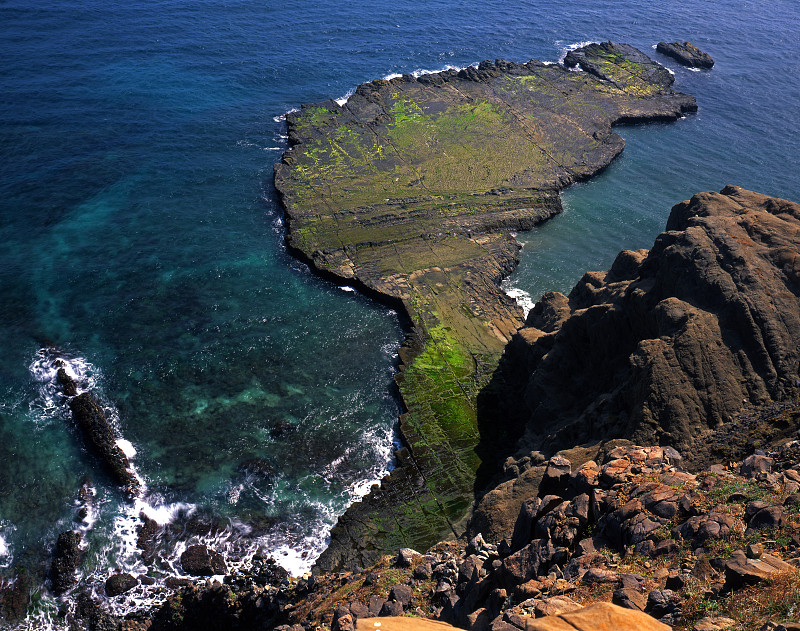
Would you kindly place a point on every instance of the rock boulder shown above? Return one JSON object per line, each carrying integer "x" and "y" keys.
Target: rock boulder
{"x": 686, "y": 53}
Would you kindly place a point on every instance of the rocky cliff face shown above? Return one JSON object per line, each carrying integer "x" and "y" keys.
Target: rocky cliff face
{"x": 669, "y": 344}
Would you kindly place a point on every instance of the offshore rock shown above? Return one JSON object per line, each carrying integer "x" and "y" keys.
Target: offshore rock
{"x": 411, "y": 191}
{"x": 686, "y": 53}
{"x": 669, "y": 345}
{"x": 118, "y": 584}
{"x": 200, "y": 560}
{"x": 66, "y": 561}
{"x": 89, "y": 416}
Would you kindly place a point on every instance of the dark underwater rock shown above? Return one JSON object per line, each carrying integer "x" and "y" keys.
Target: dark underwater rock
{"x": 15, "y": 595}
{"x": 686, "y": 53}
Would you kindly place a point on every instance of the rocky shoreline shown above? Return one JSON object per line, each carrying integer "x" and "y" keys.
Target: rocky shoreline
{"x": 703, "y": 540}
{"x": 640, "y": 536}
{"x": 627, "y": 456}
{"x": 411, "y": 191}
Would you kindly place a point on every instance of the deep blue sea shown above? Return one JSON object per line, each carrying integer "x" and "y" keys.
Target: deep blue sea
{"x": 141, "y": 237}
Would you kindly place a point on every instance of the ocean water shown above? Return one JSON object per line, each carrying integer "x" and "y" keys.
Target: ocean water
{"x": 141, "y": 237}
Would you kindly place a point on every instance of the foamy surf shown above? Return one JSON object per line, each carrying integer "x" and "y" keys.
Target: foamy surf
{"x": 6, "y": 557}
{"x": 566, "y": 49}
{"x": 44, "y": 369}
{"x": 522, "y": 297}
{"x": 419, "y": 72}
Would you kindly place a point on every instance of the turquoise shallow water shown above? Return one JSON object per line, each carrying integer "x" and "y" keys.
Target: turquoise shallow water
{"x": 140, "y": 234}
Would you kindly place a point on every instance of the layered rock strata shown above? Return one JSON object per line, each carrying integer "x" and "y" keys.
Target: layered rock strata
{"x": 671, "y": 344}
{"x": 411, "y": 191}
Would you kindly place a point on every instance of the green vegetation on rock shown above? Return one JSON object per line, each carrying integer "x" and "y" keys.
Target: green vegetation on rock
{"x": 413, "y": 189}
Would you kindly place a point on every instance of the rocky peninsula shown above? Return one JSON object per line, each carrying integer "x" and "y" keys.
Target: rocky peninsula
{"x": 411, "y": 191}
{"x": 608, "y": 533}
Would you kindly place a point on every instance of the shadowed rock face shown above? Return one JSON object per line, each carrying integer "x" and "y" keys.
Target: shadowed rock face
{"x": 411, "y": 191}
{"x": 668, "y": 345}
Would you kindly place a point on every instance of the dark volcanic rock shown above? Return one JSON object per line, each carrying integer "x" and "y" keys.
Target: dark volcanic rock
{"x": 66, "y": 382}
{"x": 686, "y": 53}
{"x": 706, "y": 326}
{"x": 90, "y": 418}
{"x": 66, "y": 561}
{"x": 200, "y": 560}
{"x": 117, "y": 584}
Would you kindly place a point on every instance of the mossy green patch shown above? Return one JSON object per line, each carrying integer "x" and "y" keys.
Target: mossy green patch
{"x": 413, "y": 189}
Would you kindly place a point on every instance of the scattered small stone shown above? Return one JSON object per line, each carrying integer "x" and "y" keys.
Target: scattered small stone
{"x": 713, "y": 623}
{"x": 629, "y": 598}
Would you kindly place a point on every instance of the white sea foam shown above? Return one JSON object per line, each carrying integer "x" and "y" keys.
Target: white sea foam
{"x": 44, "y": 369}
{"x": 522, "y": 297}
{"x": 423, "y": 71}
{"x": 343, "y": 99}
{"x": 565, "y": 49}
{"x": 6, "y": 556}
{"x": 127, "y": 448}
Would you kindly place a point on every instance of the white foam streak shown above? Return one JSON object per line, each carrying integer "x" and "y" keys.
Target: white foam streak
{"x": 6, "y": 557}
{"x": 342, "y": 100}
{"x": 44, "y": 370}
{"x": 522, "y": 297}
{"x": 127, "y": 448}
{"x": 422, "y": 71}
{"x": 565, "y": 49}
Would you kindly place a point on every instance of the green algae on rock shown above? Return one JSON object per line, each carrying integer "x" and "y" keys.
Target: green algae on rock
{"x": 411, "y": 191}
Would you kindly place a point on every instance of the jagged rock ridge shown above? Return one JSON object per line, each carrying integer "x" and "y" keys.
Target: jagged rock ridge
{"x": 670, "y": 344}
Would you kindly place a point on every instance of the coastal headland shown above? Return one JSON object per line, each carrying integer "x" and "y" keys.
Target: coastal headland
{"x": 411, "y": 191}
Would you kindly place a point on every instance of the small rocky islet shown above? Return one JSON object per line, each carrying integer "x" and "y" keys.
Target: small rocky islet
{"x": 557, "y": 517}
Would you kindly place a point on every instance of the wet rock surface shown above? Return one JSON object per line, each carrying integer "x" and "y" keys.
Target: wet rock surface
{"x": 200, "y": 560}
{"x": 118, "y": 584}
{"x": 89, "y": 416}
{"x": 67, "y": 559}
{"x": 686, "y": 53}
{"x": 410, "y": 191}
